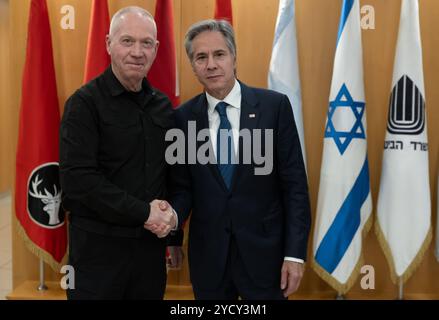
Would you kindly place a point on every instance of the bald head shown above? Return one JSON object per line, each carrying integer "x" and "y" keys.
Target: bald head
{"x": 124, "y": 14}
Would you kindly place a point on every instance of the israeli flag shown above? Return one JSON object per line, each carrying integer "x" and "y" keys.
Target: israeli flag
{"x": 283, "y": 74}
{"x": 344, "y": 202}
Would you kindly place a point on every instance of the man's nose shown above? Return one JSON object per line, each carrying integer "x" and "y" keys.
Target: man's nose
{"x": 211, "y": 63}
{"x": 136, "y": 50}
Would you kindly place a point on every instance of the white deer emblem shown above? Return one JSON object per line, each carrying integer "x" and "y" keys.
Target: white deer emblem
{"x": 52, "y": 202}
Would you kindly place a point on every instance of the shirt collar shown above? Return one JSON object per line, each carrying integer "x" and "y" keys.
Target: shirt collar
{"x": 116, "y": 88}
{"x": 233, "y": 99}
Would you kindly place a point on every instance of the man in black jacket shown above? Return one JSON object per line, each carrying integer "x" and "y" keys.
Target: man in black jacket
{"x": 112, "y": 167}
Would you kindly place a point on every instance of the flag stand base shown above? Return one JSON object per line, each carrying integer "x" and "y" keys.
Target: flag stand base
{"x": 42, "y": 287}
{"x": 27, "y": 291}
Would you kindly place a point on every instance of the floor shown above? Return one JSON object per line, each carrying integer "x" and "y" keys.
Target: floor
{"x": 5, "y": 245}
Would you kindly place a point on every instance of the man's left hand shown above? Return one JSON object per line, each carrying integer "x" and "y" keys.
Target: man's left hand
{"x": 291, "y": 274}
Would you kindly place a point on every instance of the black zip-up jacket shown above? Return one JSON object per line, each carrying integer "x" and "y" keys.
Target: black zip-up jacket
{"x": 112, "y": 155}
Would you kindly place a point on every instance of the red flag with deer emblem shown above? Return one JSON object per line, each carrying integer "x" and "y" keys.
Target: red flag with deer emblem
{"x": 37, "y": 189}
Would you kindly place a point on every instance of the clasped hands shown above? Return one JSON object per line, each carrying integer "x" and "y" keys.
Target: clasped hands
{"x": 161, "y": 218}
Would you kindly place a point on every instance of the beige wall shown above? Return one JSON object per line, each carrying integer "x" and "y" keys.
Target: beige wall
{"x": 317, "y": 23}
{"x": 5, "y": 112}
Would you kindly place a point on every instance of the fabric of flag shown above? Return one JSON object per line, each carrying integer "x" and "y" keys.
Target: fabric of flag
{"x": 97, "y": 58}
{"x": 37, "y": 191}
{"x": 344, "y": 201}
{"x": 223, "y": 10}
{"x": 404, "y": 205}
{"x": 404, "y": 208}
{"x": 163, "y": 73}
{"x": 283, "y": 74}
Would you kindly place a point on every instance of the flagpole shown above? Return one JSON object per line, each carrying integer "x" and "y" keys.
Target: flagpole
{"x": 401, "y": 290}
{"x": 42, "y": 286}
{"x": 339, "y": 296}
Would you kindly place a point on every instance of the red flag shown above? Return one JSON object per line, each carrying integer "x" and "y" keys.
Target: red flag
{"x": 37, "y": 189}
{"x": 163, "y": 73}
{"x": 97, "y": 58}
{"x": 223, "y": 10}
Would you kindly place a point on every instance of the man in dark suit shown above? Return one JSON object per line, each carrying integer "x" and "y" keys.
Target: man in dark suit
{"x": 250, "y": 223}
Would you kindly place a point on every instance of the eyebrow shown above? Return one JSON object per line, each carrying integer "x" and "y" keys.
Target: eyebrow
{"x": 205, "y": 53}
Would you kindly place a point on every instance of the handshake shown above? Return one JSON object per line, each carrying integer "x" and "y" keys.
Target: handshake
{"x": 162, "y": 218}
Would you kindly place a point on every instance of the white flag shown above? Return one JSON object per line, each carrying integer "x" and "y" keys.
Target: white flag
{"x": 283, "y": 75}
{"x": 404, "y": 208}
{"x": 344, "y": 203}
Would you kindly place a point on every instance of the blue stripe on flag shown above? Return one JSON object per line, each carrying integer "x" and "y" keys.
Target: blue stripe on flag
{"x": 286, "y": 16}
{"x": 347, "y": 6}
{"x": 342, "y": 230}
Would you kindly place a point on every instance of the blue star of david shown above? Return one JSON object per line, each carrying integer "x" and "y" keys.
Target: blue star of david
{"x": 342, "y": 138}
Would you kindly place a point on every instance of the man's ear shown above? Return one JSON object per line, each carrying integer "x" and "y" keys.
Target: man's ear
{"x": 157, "y": 44}
{"x": 154, "y": 54}
{"x": 107, "y": 43}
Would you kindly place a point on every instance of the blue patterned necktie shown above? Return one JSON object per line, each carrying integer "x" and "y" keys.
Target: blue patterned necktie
{"x": 224, "y": 145}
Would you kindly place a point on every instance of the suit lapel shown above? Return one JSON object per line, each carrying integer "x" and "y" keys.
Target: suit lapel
{"x": 249, "y": 109}
{"x": 249, "y": 120}
{"x": 200, "y": 111}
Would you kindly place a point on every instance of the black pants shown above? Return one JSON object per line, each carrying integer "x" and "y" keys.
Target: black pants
{"x": 116, "y": 268}
{"x": 237, "y": 283}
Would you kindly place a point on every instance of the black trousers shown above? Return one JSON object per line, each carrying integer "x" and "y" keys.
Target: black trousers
{"x": 108, "y": 267}
{"x": 237, "y": 283}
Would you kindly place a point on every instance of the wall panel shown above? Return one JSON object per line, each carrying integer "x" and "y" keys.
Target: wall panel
{"x": 5, "y": 128}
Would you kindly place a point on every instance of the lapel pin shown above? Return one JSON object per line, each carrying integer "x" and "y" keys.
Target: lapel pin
{"x": 252, "y": 115}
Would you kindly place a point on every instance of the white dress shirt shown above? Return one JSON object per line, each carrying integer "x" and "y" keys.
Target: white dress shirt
{"x": 233, "y": 99}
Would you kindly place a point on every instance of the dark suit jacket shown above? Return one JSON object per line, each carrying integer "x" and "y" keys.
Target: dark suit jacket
{"x": 269, "y": 215}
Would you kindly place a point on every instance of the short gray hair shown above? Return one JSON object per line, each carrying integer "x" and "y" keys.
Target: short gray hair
{"x": 222, "y": 26}
{"x": 115, "y": 20}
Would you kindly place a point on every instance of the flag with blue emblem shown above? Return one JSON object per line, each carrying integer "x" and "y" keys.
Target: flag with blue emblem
{"x": 344, "y": 202}
{"x": 404, "y": 207}
{"x": 283, "y": 74}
